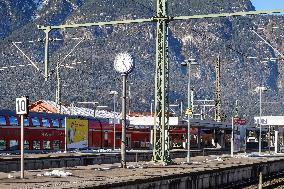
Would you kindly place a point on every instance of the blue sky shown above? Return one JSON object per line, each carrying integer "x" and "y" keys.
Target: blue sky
{"x": 268, "y": 4}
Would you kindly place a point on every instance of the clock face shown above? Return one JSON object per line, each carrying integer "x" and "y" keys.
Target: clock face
{"x": 123, "y": 63}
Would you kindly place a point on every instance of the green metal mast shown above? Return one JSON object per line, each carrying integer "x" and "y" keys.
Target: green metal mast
{"x": 161, "y": 124}
{"x": 218, "y": 90}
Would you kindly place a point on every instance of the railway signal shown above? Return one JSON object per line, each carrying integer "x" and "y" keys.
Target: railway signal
{"x": 22, "y": 108}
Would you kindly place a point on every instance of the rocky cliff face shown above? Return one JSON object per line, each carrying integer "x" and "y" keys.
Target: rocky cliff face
{"x": 93, "y": 75}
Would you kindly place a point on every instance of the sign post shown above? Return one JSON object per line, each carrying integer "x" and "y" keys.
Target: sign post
{"x": 232, "y": 138}
{"x": 22, "y": 108}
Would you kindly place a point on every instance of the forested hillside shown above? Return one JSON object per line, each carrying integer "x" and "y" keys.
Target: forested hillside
{"x": 93, "y": 75}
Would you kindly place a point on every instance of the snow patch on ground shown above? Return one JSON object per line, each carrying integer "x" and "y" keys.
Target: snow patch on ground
{"x": 56, "y": 173}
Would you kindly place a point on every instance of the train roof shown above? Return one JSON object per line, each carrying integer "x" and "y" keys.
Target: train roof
{"x": 51, "y": 106}
{"x": 57, "y": 115}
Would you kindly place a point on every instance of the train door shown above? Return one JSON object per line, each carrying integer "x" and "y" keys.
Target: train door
{"x": 128, "y": 140}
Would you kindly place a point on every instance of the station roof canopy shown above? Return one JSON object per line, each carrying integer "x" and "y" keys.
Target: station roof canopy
{"x": 176, "y": 121}
{"x": 51, "y": 107}
{"x": 270, "y": 120}
{"x": 207, "y": 124}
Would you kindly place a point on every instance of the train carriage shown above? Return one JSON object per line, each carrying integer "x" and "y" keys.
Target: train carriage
{"x": 42, "y": 131}
{"x": 46, "y": 132}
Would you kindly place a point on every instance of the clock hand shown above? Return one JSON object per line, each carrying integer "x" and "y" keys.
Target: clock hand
{"x": 123, "y": 62}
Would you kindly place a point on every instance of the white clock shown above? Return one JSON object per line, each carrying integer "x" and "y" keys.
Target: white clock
{"x": 123, "y": 63}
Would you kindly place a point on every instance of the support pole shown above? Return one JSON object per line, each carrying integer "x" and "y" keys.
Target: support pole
{"x": 199, "y": 138}
{"x": 188, "y": 115}
{"x": 260, "y": 111}
{"x": 218, "y": 90}
{"x": 123, "y": 137}
{"x": 22, "y": 147}
{"x": 65, "y": 138}
{"x": 114, "y": 117}
{"x": 276, "y": 140}
{"x": 46, "y": 48}
{"x": 232, "y": 138}
{"x": 58, "y": 91}
{"x": 269, "y": 138}
{"x": 260, "y": 180}
{"x": 161, "y": 151}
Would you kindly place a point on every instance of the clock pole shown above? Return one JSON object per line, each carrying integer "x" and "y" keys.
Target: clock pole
{"x": 123, "y": 134}
{"x": 123, "y": 64}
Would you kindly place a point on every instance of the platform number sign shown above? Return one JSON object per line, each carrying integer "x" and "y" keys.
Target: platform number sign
{"x": 22, "y": 105}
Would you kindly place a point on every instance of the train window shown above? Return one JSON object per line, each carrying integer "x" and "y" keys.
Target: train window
{"x": 62, "y": 123}
{"x": 14, "y": 145}
{"x": 45, "y": 122}
{"x": 2, "y": 144}
{"x": 35, "y": 121}
{"x": 46, "y": 145}
{"x": 3, "y": 120}
{"x": 117, "y": 135}
{"x": 183, "y": 136}
{"x": 26, "y": 122}
{"x": 13, "y": 120}
{"x": 56, "y": 144}
{"x": 26, "y": 145}
{"x": 36, "y": 145}
{"x": 55, "y": 123}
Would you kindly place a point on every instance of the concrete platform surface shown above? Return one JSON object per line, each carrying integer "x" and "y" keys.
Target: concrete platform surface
{"x": 105, "y": 174}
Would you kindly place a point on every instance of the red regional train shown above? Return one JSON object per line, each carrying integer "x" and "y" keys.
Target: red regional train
{"x": 42, "y": 131}
{"x": 46, "y": 132}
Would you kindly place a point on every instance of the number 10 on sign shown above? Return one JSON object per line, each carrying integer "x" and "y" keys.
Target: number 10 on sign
{"x": 22, "y": 105}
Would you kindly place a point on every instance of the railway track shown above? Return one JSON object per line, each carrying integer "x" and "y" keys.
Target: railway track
{"x": 269, "y": 182}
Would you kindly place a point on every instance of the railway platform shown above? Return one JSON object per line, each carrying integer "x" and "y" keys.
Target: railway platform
{"x": 203, "y": 172}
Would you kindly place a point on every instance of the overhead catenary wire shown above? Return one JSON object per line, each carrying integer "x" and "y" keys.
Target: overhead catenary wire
{"x": 22, "y": 65}
{"x": 34, "y": 64}
{"x": 39, "y": 40}
{"x": 276, "y": 50}
{"x": 52, "y": 71}
{"x": 229, "y": 46}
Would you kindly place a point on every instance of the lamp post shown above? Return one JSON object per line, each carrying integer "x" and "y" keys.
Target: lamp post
{"x": 189, "y": 106}
{"x": 260, "y": 90}
{"x": 114, "y": 93}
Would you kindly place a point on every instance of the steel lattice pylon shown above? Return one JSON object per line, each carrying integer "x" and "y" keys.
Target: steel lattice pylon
{"x": 218, "y": 90}
{"x": 161, "y": 138}
{"x": 161, "y": 124}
